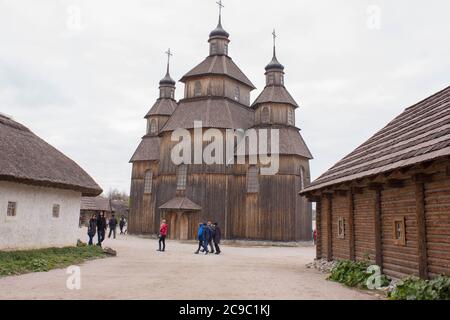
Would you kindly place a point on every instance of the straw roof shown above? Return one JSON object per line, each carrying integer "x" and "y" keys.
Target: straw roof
{"x": 26, "y": 158}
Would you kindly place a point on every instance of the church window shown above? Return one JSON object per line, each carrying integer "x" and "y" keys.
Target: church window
{"x": 198, "y": 89}
{"x": 153, "y": 126}
{"x": 252, "y": 179}
{"x": 181, "y": 177}
{"x": 55, "y": 210}
{"x": 237, "y": 94}
{"x": 282, "y": 80}
{"x": 148, "y": 182}
{"x": 302, "y": 178}
{"x": 290, "y": 117}
{"x": 226, "y": 48}
{"x": 271, "y": 78}
{"x": 12, "y": 209}
{"x": 265, "y": 115}
{"x": 172, "y": 94}
{"x": 213, "y": 48}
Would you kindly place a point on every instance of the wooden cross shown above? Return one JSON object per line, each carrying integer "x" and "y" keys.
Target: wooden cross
{"x": 220, "y": 7}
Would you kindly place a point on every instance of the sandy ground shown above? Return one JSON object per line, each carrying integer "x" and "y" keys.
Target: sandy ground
{"x": 139, "y": 272}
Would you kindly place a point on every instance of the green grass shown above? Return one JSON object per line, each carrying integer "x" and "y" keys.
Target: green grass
{"x": 42, "y": 260}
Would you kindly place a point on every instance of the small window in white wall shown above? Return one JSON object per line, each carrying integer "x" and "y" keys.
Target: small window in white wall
{"x": 290, "y": 116}
{"x": 55, "y": 211}
{"x": 12, "y": 209}
{"x": 148, "y": 182}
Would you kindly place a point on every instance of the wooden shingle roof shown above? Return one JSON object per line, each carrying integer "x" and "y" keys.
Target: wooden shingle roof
{"x": 96, "y": 204}
{"x": 182, "y": 204}
{"x": 162, "y": 107}
{"x": 421, "y": 133}
{"x": 148, "y": 149}
{"x": 213, "y": 112}
{"x": 26, "y": 158}
{"x": 275, "y": 94}
{"x": 219, "y": 65}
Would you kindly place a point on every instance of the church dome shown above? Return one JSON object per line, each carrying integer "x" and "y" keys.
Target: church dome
{"x": 219, "y": 31}
{"x": 167, "y": 80}
{"x": 274, "y": 64}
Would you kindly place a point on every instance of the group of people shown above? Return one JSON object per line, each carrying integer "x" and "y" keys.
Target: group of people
{"x": 98, "y": 225}
{"x": 209, "y": 236}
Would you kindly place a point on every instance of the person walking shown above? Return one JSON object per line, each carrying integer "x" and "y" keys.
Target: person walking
{"x": 122, "y": 224}
{"x": 101, "y": 228}
{"x": 200, "y": 238}
{"x": 92, "y": 228}
{"x": 206, "y": 237}
{"x": 112, "y": 226}
{"x": 211, "y": 236}
{"x": 217, "y": 237}
{"x": 162, "y": 236}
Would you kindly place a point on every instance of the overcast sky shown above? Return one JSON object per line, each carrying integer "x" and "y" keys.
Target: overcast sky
{"x": 82, "y": 74}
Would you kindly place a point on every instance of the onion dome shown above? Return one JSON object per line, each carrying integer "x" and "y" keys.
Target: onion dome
{"x": 219, "y": 31}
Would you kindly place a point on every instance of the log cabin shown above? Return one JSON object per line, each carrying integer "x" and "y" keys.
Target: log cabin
{"x": 246, "y": 204}
{"x": 389, "y": 200}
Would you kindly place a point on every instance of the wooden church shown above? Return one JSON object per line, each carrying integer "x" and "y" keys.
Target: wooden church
{"x": 245, "y": 203}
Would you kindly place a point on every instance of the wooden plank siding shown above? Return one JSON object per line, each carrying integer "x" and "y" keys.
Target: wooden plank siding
{"x": 340, "y": 209}
{"x": 364, "y": 206}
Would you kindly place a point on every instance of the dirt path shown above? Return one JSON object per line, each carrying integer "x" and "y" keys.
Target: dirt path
{"x": 139, "y": 272}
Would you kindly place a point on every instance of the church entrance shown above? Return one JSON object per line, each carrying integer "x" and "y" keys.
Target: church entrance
{"x": 179, "y": 225}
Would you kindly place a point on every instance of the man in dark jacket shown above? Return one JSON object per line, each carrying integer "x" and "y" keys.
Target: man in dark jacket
{"x": 211, "y": 236}
{"x": 101, "y": 227}
{"x": 112, "y": 226}
{"x": 92, "y": 228}
{"x": 217, "y": 237}
{"x": 200, "y": 238}
{"x": 122, "y": 224}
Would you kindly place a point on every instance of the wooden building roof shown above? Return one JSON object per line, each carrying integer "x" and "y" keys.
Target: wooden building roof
{"x": 181, "y": 204}
{"x": 421, "y": 133}
{"x": 274, "y": 94}
{"x": 221, "y": 113}
{"x": 26, "y": 158}
{"x": 162, "y": 107}
{"x": 219, "y": 65}
{"x": 95, "y": 204}
{"x": 148, "y": 149}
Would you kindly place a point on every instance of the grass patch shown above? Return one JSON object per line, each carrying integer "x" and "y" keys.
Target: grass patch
{"x": 43, "y": 260}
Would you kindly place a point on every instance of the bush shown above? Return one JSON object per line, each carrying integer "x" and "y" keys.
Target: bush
{"x": 354, "y": 274}
{"x": 413, "y": 288}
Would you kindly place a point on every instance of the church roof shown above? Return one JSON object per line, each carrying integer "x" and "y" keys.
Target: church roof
{"x": 291, "y": 142}
{"x": 219, "y": 65}
{"x": 421, "y": 133}
{"x": 148, "y": 149}
{"x": 219, "y": 31}
{"x": 162, "y": 107}
{"x": 167, "y": 80}
{"x": 275, "y": 94}
{"x": 26, "y": 158}
{"x": 181, "y": 203}
{"x": 219, "y": 113}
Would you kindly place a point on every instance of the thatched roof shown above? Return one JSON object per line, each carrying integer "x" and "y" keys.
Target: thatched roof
{"x": 213, "y": 112}
{"x": 181, "y": 204}
{"x": 275, "y": 94}
{"x": 219, "y": 65}
{"x": 421, "y": 133}
{"x": 25, "y": 158}
{"x": 148, "y": 149}
{"x": 96, "y": 204}
{"x": 291, "y": 142}
{"x": 162, "y": 107}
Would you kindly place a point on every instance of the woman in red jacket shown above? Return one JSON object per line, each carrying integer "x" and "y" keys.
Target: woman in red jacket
{"x": 162, "y": 235}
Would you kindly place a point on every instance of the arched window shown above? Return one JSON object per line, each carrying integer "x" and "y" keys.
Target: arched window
{"x": 290, "y": 117}
{"x": 181, "y": 177}
{"x": 148, "y": 182}
{"x": 265, "y": 115}
{"x": 252, "y": 179}
{"x": 237, "y": 94}
{"x": 198, "y": 89}
{"x": 153, "y": 126}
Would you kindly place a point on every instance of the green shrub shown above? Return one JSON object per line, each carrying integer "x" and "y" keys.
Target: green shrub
{"x": 354, "y": 274}
{"x": 413, "y": 288}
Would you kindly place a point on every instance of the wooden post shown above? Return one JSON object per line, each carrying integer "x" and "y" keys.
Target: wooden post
{"x": 330, "y": 228}
{"x": 319, "y": 229}
{"x": 351, "y": 224}
{"x": 378, "y": 230}
{"x": 421, "y": 230}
